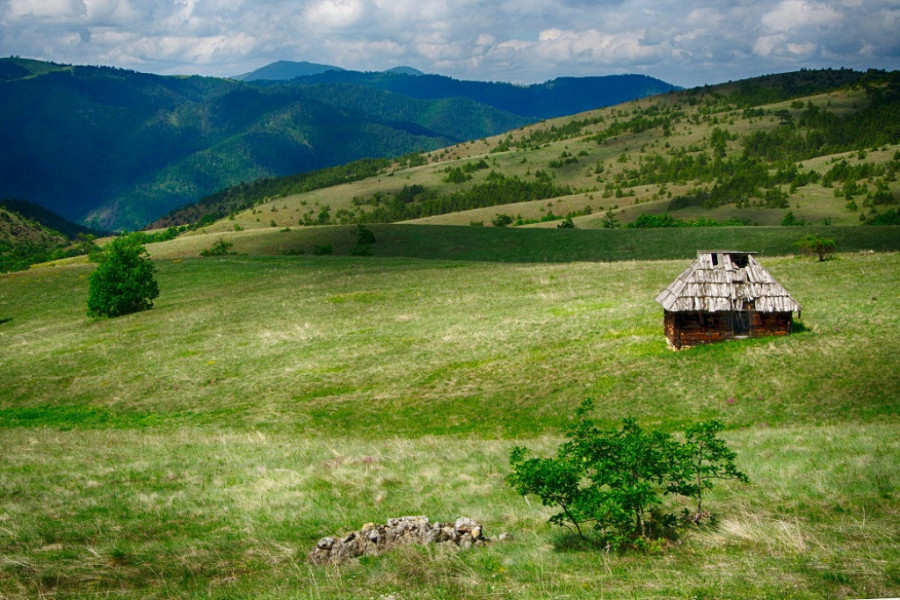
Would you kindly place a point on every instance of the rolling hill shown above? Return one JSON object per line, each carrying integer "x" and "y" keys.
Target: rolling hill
{"x": 280, "y": 394}
{"x": 117, "y": 149}
{"x": 555, "y": 98}
{"x": 31, "y": 234}
{"x": 814, "y": 147}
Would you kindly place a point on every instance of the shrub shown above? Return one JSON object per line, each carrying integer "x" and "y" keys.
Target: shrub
{"x": 364, "y": 236}
{"x": 501, "y": 220}
{"x": 790, "y": 220}
{"x": 609, "y": 220}
{"x": 823, "y": 248}
{"x": 615, "y": 479}
{"x": 323, "y": 250}
{"x": 566, "y": 223}
{"x": 123, "y": 282}
{"x": 220, "y": 248}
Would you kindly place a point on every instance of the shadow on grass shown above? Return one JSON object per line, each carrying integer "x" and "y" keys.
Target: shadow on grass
{"x": 799, "y": 327}
{"x": 5, "y": 320}
{"x": 569, "y": 541}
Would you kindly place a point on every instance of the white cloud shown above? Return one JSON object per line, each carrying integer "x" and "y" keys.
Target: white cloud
{"x": 520, "y": 40}
{"x": 45, "y": 9}
{"x": 334, "y": 13}
{"x": 797, "y": 14}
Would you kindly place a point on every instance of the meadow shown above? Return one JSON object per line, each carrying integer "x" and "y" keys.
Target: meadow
{"x": 201, "y": 448}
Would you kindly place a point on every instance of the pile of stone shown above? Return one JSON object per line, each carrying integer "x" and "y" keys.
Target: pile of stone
{"x": 375, "y": 539}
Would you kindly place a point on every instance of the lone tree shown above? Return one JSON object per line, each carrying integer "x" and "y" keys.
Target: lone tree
{"x": 123, "y": 282}
{"x": 616, "y": 479}
{"x": 823, "y": 248}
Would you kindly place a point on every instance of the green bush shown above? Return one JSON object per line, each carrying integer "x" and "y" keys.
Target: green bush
{"x": 364, "y": 236}
{"x": 616, "y": 479}
{"x": 220, "y": 248}
{"x": 123, "y": 282}
{"x": 790, "y": 220}
{"x": 823, "y": 248}
{"x": 501, "y": 220}
{"x": 566, "y": 224}
{"x": 323, "y": 250}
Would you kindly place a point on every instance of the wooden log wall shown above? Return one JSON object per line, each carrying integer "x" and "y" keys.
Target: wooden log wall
{"x": 692, "y": 328}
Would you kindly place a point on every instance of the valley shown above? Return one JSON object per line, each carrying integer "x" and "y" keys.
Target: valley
{"x": 292, "y": 382}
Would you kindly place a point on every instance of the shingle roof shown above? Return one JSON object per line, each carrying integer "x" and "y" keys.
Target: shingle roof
{"x": 721, "y": 281}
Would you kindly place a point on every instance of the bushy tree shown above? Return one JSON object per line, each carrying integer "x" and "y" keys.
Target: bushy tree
{"x": 123, "y": 282}
{"x": 364, "y": 236}
{"x": 615, "y": 480}
{"x": 501, "y": 220}
{"x": 702, "y": 458}
{"x": 823, "y": 248}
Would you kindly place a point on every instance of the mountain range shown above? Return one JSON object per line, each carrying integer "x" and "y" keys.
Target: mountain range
{"x": 116, "y": 149}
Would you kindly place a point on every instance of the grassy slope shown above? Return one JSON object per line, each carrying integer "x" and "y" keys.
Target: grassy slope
{"x": 701, "y": 113}
{"x": 529, "y": 244}
{"x": 200, "y": 448}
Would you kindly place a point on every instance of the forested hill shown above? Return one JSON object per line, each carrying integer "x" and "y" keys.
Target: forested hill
{"x": 116, "y": 149}
{"x": 555, "y": 98}
{"x": 805, "y": 147}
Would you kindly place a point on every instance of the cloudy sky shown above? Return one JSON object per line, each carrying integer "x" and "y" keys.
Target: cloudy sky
{"x": 687, "y": 43}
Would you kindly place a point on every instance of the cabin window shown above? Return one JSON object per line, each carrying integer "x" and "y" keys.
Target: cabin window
{"x": 715, "y": 259}
{"x": 739, "y": 260}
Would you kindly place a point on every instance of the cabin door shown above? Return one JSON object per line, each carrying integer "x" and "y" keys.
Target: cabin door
{"x": 741, "y": 323}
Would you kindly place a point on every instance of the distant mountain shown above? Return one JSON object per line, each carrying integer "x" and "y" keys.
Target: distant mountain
{"x": 405, "y": 71}
{"x": 116, "y": 149}
{"x": 112, "y": 148}
{"x": 284, "y": 70}
{"x": 46, "y": 218}
{"x": 26, "y": 240}
{"x": 554, "y": 98}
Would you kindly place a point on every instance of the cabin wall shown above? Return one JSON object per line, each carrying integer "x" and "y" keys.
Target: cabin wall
{"x": 691, "y": 328}
{"x": 763, "y": 324}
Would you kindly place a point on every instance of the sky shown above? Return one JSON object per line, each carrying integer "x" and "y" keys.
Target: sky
{"x": 687, "y": 43}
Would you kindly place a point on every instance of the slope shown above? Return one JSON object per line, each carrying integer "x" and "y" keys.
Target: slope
{"x": 200, "y": 449}
{"x": 29, "y": 234}
{"x": 116, "y": 148}
{"x": 809, "y": 147}
{"x": 554, "y": 98}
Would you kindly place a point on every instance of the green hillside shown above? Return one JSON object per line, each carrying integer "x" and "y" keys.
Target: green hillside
{"x": 117, "y": 149}
{"x": 815, "y": 148}
{"x": 201, "y": 448}
{"x": 30, "y": 234}
{"x": 300, "y": 384}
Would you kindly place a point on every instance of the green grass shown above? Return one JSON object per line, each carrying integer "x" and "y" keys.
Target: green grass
{"x": 531, "y": 244}
{"x": 200, "y": 449}
{"x": 698, "y": 114}
{"x": 197, "y": 513}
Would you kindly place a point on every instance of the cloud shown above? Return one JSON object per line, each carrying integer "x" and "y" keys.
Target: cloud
{"x": 704, "y": 41}
{"x": 800, "y": 14}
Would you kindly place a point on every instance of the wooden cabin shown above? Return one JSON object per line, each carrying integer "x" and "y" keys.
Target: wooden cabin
{"x": 724, "y": 295}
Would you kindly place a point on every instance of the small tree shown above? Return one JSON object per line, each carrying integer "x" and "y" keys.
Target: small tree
{"x": 823, "y": 248}
{"x": 364, "y": 236}
{"x": 609, "y": 220}
{"x": 616, "y": 479}
{"x": 704, "y": 457}
{"x": 501, "y": 220}
{"x": 123, "y": 282}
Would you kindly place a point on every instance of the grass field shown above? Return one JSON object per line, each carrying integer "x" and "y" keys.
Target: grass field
{"x": 529, "y": 244}
{"x": 597, "y": 171}
{"x": 201, "y": 448}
